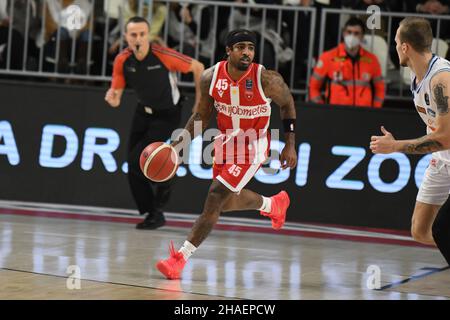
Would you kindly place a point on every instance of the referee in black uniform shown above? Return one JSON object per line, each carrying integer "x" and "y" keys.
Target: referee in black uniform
{"x": 150, "y": 69}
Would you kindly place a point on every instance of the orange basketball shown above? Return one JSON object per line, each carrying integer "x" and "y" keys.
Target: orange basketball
{"x": 159, "y": 161}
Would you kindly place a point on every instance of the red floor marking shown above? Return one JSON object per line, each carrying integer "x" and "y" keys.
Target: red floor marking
{"x": 227, "y": 227}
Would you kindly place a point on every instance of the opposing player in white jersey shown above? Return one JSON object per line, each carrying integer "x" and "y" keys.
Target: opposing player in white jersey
{"x": 430, "y": 85}
{"x": 241, "y": 92}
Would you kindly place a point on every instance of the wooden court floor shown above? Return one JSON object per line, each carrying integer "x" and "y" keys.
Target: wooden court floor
{"x": 115, "y": 261}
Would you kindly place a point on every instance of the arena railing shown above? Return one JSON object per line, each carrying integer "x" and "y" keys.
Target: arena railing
{"x": 267, "y": 20}
{"x": 282, "y": 28}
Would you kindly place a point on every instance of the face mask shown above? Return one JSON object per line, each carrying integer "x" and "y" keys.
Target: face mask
{"x": 352, "y": 41}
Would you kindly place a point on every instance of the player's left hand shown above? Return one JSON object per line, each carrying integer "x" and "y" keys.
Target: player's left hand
{"x": 383, "y": 144}
{"x": 288, "y": 157}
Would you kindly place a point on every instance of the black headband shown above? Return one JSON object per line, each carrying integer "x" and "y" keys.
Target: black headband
{"x": 240, "y": 37}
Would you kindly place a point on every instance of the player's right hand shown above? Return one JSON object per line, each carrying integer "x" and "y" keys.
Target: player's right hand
{"x": 112, "y": 97}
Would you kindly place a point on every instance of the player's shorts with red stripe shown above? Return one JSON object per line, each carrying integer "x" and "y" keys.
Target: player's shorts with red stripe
{"x": 236, "y": 170}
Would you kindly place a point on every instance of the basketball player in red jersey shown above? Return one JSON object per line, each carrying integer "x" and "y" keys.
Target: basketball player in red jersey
{"x": 241, "y": 92}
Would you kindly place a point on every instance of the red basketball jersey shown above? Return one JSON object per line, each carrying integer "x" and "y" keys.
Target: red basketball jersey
{"x": 242, "y": 111}
{"x": 240, "y": 104}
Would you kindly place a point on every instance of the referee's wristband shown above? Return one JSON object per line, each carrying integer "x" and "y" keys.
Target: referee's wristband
{"x": 289, "y": 125}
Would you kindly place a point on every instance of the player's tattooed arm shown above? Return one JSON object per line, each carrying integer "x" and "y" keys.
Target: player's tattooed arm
{"x": 422, "y": 145}
{"x": 276, "y": 89}
{"x": 439, "y": 139}
{"x": 440, "y": 96}
{"x": 202, "y": 113}
{"x": 388, "y": 144}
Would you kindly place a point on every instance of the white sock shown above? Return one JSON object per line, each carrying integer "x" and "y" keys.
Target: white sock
{"x": 266, "y": 205}
{"x": 187, "y": 249}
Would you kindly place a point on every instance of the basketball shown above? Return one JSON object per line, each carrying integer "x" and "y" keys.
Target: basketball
{"x": 159, "y": 161}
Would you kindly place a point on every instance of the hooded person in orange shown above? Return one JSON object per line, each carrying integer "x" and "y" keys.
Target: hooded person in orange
{"x": 353, "y": 74}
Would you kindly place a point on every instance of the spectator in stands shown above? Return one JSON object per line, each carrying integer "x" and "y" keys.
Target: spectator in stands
{"x": 431, "y": 6}
{"x": 182, "y": 27}
{"x": 57, "y": 18}
{"x": 332, "y": 22}
{"x": 128, "y": 9}
{"x": 434, "y": 7}
{"x": 353, "y": 74}
{"x": 274, "y": 46}
{"x": 190, "y": 23}
{"x": 303, "y": 34}
{"x": 18, "y": 33}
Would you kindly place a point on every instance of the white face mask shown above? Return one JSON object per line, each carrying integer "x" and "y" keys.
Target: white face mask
{"x": 351, "y": 41}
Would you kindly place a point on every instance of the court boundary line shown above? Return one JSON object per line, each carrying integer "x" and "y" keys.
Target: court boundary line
{"x": 182, "y": 216}
{"x": 121, "y": 284}
{"x": 204, "y": 294}
{"x": 413, "y": 278}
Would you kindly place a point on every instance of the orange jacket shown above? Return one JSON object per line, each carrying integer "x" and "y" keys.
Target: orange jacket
{"x": 349, "y": 83}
